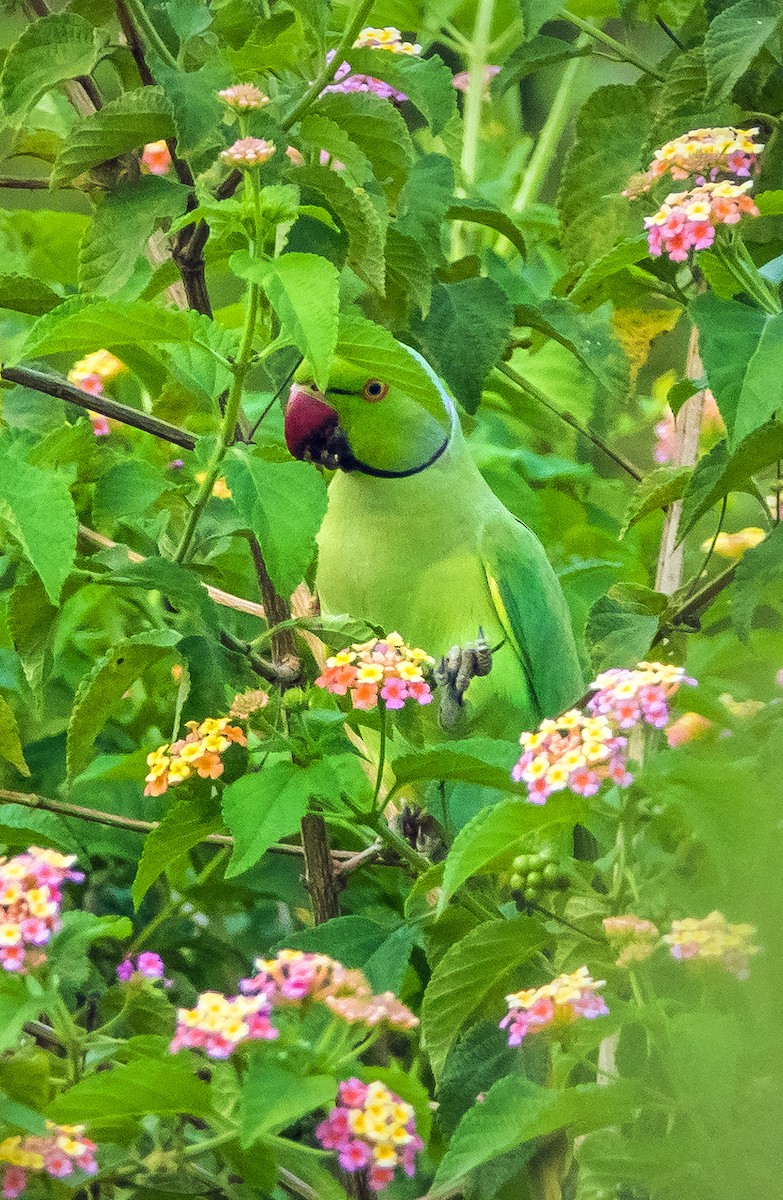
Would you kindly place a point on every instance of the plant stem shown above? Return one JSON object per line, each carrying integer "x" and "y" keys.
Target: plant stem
{"x": 208, "y": 1144}
{"x": 540, "y": 159}
{"x": 477, "y": 56}
{"x": 330, "y": 69}
{"x": 228, "y": 425}
{"x": 381, "y": 759}
{"x": 705, "y": 564}
{"x": 171, "y": 906}
{"x": 584, "y": 430}
{"x": 154, "y": 41}
{"x": 625, "y": 52}
{"x": 69, "y": 1034}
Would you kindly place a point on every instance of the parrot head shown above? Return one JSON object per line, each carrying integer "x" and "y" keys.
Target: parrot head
{"x": 388, "y": 416}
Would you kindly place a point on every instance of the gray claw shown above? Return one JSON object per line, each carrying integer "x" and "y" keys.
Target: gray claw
{"x": 454, "y": 673}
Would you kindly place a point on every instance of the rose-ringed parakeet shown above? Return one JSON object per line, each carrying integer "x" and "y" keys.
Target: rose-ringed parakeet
{"x": 414, "y": 539}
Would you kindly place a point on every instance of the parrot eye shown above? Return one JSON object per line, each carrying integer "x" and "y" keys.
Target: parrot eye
{"x": 374, "y": 390}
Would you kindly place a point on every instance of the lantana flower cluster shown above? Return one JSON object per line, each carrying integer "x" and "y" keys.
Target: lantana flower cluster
{"x": 634, "y": 938}
{"x": 686, "y": 220}
{"x": 248, "y": 152}
{"x": 57, "y": 1153}
{"x": 30, "y": 899}
{"x": 708, "y": 152}
{"x": 243, "y": 96}
{"x": 372, "y": 1130}
{"x": 388, "y": 38}
{"x": 199, "y": 753}
{"x": 91, "y": 374}
{"x": 638, "y": 696}
{"x": 383, "y": 667}
{"x": 713, "y": 939}
{"x": 572, "y": 751}
{"x": 553, "y": 1004}
{"x": 296, "y": 977}
{"x": 218, "y": 1024}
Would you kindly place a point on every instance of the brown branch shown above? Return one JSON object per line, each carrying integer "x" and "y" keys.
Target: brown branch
{"x": 226, "y": 599}
{"x": 51, "y": 385}
{"x": 28, "y": 185}
{"x": 135, "y": 824}
{"x": 134, "y": 44}
{"x": 285, "y": 674}
{"x": 319, "y": 868}
{"x": 693, "y": 607}
{"x": 278, "y": 610}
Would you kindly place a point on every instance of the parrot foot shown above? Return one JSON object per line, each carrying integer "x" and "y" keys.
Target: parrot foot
{"x": 454, "y": 673}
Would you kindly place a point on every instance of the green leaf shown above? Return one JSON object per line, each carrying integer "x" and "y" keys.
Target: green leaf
{"x": 423, "y": 202}
{"x": 22, "y": 826}
{"x": 301, "y": 1162}
{"x": 536, "y": 13}
{"x": 325, "y": 134}
{"x": 427, "y": 82}
{"x": 734, "y": 39}
{"x": 185, "y": 826}
{"x": 475, "y": 316}
{"x": 52, "y": 49}
{"x": 273, "y": 1098}
{"x": 408, "y": 273}
{"x": 468, "y": 973}
{"x": 37, "y": 508}
{"x": 77, "y": 327}
{"x": 10, "y": 742}
{"x": 481, "y": 212}
{"x": 378, "y": 130}
{"x": 194, "y": 103}
{"x": 657, "y": 490}
{"x": 757, "y": 581}
{"x": 540, "y": 51}
{"x": 605, "y": 153}
{"x": 19, "y": 1116}
{"x": 120, "y": 228}
{"x": 268, "y": 805}
{"x": 20, "y": 1001}
{"x": 515, "y": 1111}
{"x": 625, "y": 254}
{"x": 67, "y": 952}
{"x": 476, "y": 760}
{"x": 364, "y": 226}
{"x": 718, "y": 473}
{"x": 182, "y": 588}
{"x": 129, "y": 489}
{"x": 122, "y": 125}
{"x": 620, "y": 630}
{"x": 499, "y": 830}
{"x": 102, "y": 689}
{"x": 742, "y": 352}
{"x": 26, "y": 294}
{"x": 352, "y": 940}
{"x": 165, "y": 1087}
{"x": 304, "y": 291}
{"x": 770, "y": 203}
{"x": 284, "y": 504}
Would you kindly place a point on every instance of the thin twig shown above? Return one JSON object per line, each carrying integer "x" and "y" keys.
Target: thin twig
{"x": 135, "y": 824}
{"x": 583, "y": 430}
{"x": 626, "y": 53}
{"x": 284, "y": 674}
{"x": 693, "y": 607}
{"x": 371, "y": 854}
{"x": 27, "y": 185}
{"x": 52, "y": 385}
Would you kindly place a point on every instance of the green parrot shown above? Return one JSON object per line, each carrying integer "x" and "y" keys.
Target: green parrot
{"x": 414, "y": 540}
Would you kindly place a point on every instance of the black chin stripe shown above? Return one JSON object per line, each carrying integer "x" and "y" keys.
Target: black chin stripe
{"x": 351, "y": 463}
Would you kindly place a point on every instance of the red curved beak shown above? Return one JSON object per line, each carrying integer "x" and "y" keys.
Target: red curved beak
{"x": 308, "y": 420}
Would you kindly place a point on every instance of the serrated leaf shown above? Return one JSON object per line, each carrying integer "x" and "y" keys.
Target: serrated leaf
{"x": 734, "y": 39}
{"x": 273, "y": 1098}
{"x": 325, "y": 134}
{"x": 102, "y": 689}
{"x": 52, "y": 49}
{"x": 720, "y": 473}
{"x": 38, "y": 510}
{"x": 424, "y": 200}
{"x": 481, "y": 212}
{"x": 268, "y": 805}
{"x": 515, "y": 1111}
{"x": 163, "y": 1086}
{"x": 181, "y": 588}
{"x": 120, "y": 229}
{"x": 22, "y": 826}
{"x": 619, "y": 632}
{"x": 67, "y": 952}
{"x": 427, "y": 82}
{"x": 533, "y": 54}
{"x": 19, "y": 1116}
{"x": 185, "y": 826}
{"x": 476, "y": 760}
{"x": 378, "y": 130}
{"x": 742, "y": 351}
{"x": 193, "y": 98}
{"x": 469, "y": 970}
{"x": 757, "y": 581}
{"x": 304, "y": 291}
{"x": 625, "y": 254}
{"x": 76, "y": 326}
{"x": 497, "y": 830}
{"x": 355, "y": 212}
{"x": 474, "y": 315}
{"x": 284, "y": 504}
{"x": 10, "y": 742}
{"x": 26, "y": 294}
{"x": 657, "y": 490}
{"x": 122, "y": 125}
{"x": 408, "y": 272}
{"x": 769, "y": 203}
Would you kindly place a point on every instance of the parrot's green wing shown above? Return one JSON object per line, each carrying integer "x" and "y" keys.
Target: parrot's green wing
{"x": 532, "y": 610}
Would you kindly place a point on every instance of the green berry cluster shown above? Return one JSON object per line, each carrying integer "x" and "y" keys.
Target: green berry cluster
{"x": 537, "y": 873}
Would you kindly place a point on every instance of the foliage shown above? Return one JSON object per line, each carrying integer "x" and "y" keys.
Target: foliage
{"x": 167, "y": 713}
